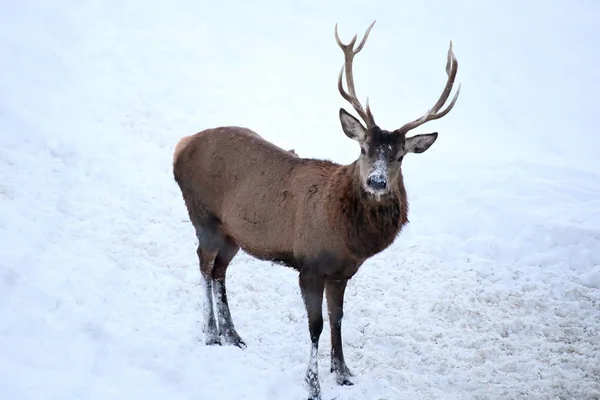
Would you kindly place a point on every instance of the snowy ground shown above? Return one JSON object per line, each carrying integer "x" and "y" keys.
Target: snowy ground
{"x": 493, "y": 291}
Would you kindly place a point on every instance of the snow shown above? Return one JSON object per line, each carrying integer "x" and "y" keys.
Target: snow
{"x": 379, "y": 171}
{"x": 592, "y": 278}
{"x": 492, "y": 291}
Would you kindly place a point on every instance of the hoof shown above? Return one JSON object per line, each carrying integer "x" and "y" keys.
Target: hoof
{"x": 212, "y": 340}
{"x": 343, "y": 375}
{"x": 231, "y": 338}
{"x": 234, "y": 340}
{"x": 344, "y": 381}
{"x": 314, "y": 396}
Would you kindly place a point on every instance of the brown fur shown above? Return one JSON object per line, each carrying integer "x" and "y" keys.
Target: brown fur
{"x": 179, "y": 147}
{"x": 272, "y": 203}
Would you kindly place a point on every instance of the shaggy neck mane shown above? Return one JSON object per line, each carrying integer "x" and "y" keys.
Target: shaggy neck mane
{"x": 371, "y": 225}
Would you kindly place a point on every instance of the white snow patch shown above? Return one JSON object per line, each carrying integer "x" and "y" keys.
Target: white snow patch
{"x": 591, "y": 279}
{"x": 379, "y": 169}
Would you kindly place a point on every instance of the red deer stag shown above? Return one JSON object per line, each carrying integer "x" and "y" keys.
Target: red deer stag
{"x": 318, "y": 217}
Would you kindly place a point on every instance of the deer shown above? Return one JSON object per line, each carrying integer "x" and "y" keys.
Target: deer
{"x": 321, "y": 218}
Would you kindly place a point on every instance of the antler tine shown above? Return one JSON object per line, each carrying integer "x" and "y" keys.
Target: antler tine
{"x": 349, "y": 53}
{"x": 434, "y": 113}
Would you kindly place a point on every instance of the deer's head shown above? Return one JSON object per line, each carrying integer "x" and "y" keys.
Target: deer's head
{"x": 382, "y": 151}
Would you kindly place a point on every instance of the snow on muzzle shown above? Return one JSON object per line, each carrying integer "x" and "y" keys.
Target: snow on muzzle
{"x": 377, "y": 180}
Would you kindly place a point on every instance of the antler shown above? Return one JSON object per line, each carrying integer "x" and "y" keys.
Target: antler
{"x": 349, "y": 54}
{"x": 433, "y": 113}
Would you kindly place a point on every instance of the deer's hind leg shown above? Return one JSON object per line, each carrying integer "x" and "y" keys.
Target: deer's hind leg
{"x": 210, "y": 240}
{"x": 226, "y": 328}
{"x": 207, "y": 259}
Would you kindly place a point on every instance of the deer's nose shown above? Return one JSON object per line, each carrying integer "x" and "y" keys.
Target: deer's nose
{"x": 377, "y": 182}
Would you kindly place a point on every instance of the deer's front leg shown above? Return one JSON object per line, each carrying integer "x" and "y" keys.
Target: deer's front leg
{"x": 311, "y": 286}
{"x": 334, "y": 290}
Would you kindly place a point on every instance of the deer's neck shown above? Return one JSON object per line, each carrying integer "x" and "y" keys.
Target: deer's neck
{"x": 371, "y": 224}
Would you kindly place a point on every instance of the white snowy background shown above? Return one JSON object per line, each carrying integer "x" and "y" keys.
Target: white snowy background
{"x": 492, "y": 291}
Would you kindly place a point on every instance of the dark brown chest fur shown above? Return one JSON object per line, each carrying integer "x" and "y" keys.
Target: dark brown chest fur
{"x": 370, "y": 225}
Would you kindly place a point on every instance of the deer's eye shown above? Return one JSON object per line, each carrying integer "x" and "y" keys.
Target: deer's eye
{"x": 362, "y": 151}
{"x": 400, "y": 158}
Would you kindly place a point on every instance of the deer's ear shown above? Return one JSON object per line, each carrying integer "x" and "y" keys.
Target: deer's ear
{"x": 419, "y": 143}
{"x": 352, "y": 127}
